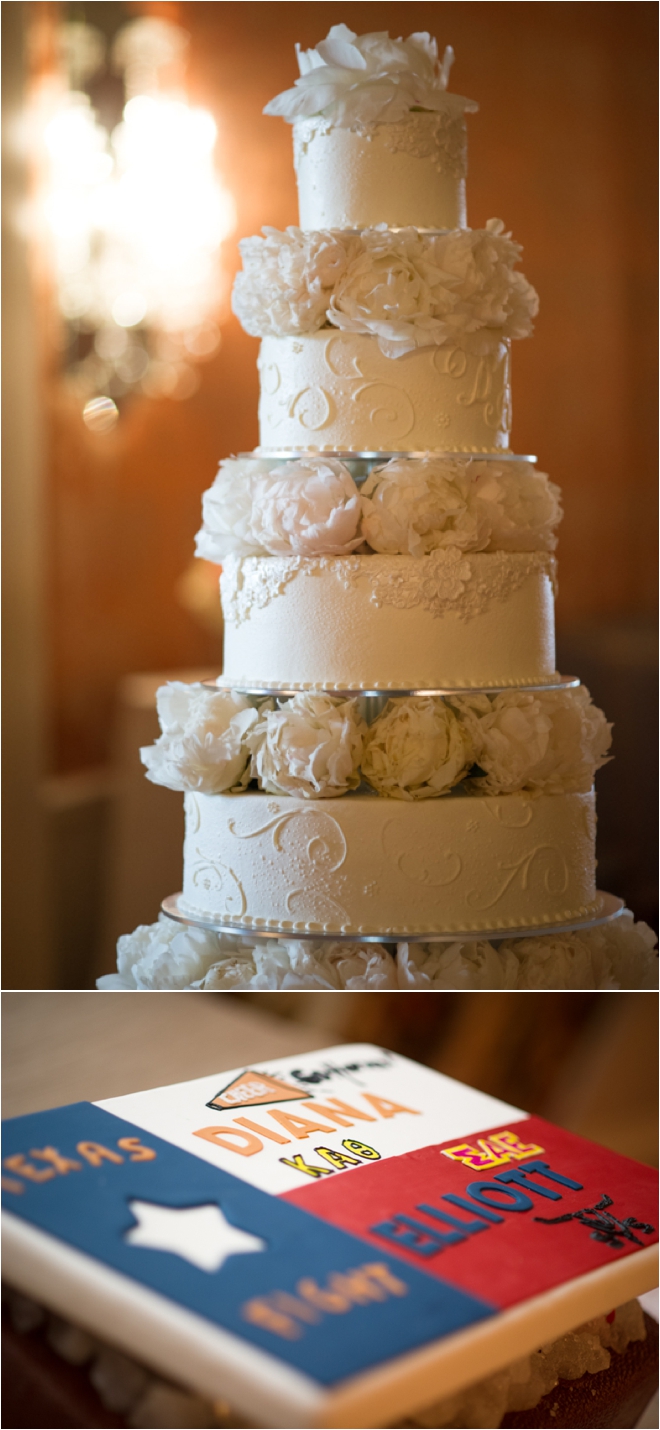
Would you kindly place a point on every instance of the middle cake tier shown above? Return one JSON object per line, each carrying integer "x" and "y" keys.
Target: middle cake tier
{"x": 334, "y": 391}
{"x": 366, "y": 864}
{"x": 379, "y": 622}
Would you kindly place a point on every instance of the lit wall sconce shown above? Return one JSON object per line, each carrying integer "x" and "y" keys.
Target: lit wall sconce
{"x": 133, "y": 215}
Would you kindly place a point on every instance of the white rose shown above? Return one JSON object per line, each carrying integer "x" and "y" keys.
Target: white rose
{"x": 287, "y": 280}
{"x": 356, "y": 966}
{"x": 455, "y": 965}
{"x": 306, "y": 508}
{"x": 164, "y": 955}
{"x": 227, "y": 510}
{"x": 417, "y": 749}
{"x": 203, "y": 745}
{"x": 310, "y": 747}
{"x": 416, "y": 506}
{"x": 364, "y": 78}
{"x": 386, "y": 290}
{"x": 551, "y": 742}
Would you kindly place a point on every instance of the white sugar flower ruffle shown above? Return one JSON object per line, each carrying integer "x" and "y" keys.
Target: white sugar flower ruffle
{"x": 408, "y": 289}
{"x": 227, "y": 509}
{"x": 288, "y": 278}
{"x": 551, "y": 742}
{"x": 164, "y": 955}
{"x": 417, "y": 749}
{"x": 310, "y": 747}
{"x": 618, "y": 955}
{"x": 414, "y": 506}
{"x": 306, "y": 508}
{"x": 297, "y": 965}
{"x": 353, "y": 78}
{"x": 203, "y": 743}
{"x": 462, "y": 964}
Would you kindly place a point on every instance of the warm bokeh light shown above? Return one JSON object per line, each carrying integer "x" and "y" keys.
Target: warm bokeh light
{"x": 134, "y": 218}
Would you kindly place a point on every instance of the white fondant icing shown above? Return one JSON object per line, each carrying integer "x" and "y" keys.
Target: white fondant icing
{"x": 364, "y": 864}
{"x": 334, "y": 391}
{"x": 399, "y": 621}
{"x": 410, "y": 172}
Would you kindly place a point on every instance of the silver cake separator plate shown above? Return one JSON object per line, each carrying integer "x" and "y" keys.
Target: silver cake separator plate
{"x": 608, "y": 908}
{"x": 563, "y": 682}
{"x": 284, "y": 454}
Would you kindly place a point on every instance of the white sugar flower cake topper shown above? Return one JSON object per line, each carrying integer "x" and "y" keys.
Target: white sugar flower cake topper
{"x": 370, "y": 78}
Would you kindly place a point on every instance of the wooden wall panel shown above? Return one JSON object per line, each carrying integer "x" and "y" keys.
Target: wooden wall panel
{"x": 563, "y": 151}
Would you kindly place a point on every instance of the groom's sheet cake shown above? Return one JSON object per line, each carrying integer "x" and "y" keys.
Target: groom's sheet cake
{"x": 334, "y": 1239}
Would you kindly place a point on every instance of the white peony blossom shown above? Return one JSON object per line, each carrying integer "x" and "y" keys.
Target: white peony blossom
{"x": 302, "y": 964}
{"x": 620, "y": 954}
{"x": 480, "y": 288}
{"x": 551, "y": 742}
{"x": 203, "y": 745}
{"x": 413, "y": 506}
{"x": 462, "y": 964}
{"x": 367, "y": 78}
{"x": 306, "y": 508}
{"x": 388, "y": 290}
{"x": 227, "y": 510}
{"x": 406, "y": 288}
{"x": 310, "y": 747}
{"x": 164, "y": 955}
{"x": 417, "y": 749}
{"x": 287, "y": 280}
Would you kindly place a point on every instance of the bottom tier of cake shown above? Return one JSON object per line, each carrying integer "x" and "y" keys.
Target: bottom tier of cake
{"x": 365, "y": 864}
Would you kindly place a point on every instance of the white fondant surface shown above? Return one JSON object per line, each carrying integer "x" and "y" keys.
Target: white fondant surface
{"x": 332, "y": 390}
{"x": 375, "y": 622}
{"x": 408, "y": 173}
{"x": 364, "y": 864}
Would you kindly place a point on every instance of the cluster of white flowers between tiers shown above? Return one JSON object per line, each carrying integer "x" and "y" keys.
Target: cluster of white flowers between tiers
{"x": 171, "y": 956}
{"x": 319, "y": 746}
{"x": 312, "y": 506}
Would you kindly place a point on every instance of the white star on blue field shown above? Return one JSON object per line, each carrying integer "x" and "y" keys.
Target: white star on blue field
{"x": 201, "y": 1235}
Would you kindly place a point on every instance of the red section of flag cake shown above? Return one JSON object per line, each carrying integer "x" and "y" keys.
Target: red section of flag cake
{"x": 496, "y": 1247}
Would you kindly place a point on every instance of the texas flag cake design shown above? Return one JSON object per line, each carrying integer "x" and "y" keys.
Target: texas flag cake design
{"x": 331, "y": 1237}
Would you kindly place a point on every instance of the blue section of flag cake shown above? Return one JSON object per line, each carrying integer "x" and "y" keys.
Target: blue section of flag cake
{"x": 319, "y": 1298}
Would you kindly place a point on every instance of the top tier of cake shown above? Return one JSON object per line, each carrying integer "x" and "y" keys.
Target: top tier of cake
{"x": 408, "y": 173}
{"x": 377, "y": 137}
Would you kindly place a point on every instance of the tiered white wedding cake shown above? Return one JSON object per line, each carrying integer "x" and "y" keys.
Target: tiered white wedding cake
{"x": 390, "y": 751}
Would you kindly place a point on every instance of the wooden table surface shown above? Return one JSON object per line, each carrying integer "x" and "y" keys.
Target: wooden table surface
{"x": 61, "y": 1047}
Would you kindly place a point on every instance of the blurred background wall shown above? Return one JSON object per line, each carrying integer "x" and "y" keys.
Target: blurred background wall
{"x": 101, "y": 593}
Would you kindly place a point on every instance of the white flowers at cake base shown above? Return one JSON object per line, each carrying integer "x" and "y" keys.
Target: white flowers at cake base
{"x": 550, "y": 743}
{"x": 203, "y": 745}
{"x": 455, "y": 965}
{"x": 616, "y": 955}
{"x": 417, "y": 749}
{"x": 164, "y": 955}
{"x": 169, "y": 956}
{"x": 310, "y": 747}
{"x": 303, "y": 965}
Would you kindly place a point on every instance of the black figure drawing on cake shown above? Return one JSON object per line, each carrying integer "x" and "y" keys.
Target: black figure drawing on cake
{"x": 605, "y": 1226}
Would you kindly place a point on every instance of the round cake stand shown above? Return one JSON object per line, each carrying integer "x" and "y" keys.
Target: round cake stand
{"x": 608, "y": 908}
{"x": 562, "y": 682}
